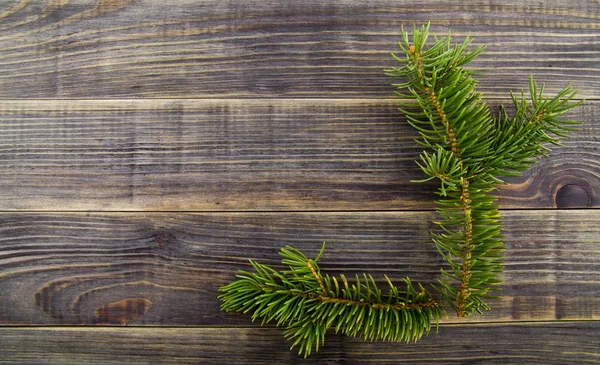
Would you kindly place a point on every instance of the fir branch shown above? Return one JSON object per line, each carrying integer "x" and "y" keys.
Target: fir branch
{"x": 472, "y": 149}
{"x": 308, "y": 303}
{"x": 469, "y": 150}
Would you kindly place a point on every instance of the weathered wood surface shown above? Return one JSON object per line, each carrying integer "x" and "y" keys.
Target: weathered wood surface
{"x": 521, "y": 343}
{"x": 274, "y": 48}
{"x": 228, "y": 129}
{"x": 165, "y": 269}
{"x": 247, "y": 155}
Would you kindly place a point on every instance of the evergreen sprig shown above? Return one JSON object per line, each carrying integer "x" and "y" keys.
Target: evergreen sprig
{"x": 468, "y": 150}
{"x": 309, "y": 303}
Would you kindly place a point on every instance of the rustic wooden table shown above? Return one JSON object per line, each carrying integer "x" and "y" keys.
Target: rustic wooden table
{"x": 150, "y": 147}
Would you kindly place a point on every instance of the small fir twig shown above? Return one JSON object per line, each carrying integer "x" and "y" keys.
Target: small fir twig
{"x": 308, "y": 303}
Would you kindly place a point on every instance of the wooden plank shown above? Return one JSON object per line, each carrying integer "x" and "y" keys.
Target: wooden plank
{"x": 216, "y": 155}
{"x": 516, "y": 343}
{"x": 274, "y": 48}
{"x": 165, "y": 269}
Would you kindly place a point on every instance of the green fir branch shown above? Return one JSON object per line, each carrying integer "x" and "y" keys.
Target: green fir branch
{"x": 472, "y": 149}
{"x": 468, "y": 150}
{"x": 309, "y": 303}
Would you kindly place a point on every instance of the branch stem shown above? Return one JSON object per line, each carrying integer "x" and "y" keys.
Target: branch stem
{"x": 375, "y": 305}
{"x": 464, "y": 291}
{"x": 316, "y": 275}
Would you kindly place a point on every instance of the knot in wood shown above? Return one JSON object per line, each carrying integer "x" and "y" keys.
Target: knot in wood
{"x": 162, "y": 238}
{"x": 572, "y": 196}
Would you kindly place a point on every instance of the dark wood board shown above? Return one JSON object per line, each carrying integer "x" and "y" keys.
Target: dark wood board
{"x": 503, "y": 343}
{"x": 232, "y": 155}
{"x": 165, "y": 269}
{"x": 275, "y": 48}
{"x": 148, "y": 148}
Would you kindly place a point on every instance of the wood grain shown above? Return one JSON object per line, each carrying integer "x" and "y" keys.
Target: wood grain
{"x": 232, "y": 155}
{"x": 516, "y": 343}
{"x": 148, "y": 148}
{"x": 275, "y": 48}
{"x": 165, "y": 269}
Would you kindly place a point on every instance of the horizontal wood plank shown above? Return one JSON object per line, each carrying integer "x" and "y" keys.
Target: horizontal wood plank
{"x": 273, "y": 48}
{"x": 517, "y": 343}
{"x": 165, "y": 269}
{"x": 216, "y": 155}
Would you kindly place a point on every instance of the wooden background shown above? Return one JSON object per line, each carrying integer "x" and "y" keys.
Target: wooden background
{"x": 150, "y": 147}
